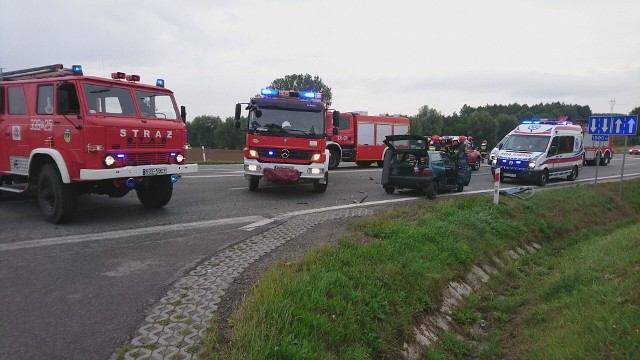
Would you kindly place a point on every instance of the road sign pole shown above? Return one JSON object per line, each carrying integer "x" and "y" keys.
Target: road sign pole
{"x": 624, "y": 155}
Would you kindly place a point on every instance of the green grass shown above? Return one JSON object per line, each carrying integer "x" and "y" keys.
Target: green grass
{"x": 357, "y": 299}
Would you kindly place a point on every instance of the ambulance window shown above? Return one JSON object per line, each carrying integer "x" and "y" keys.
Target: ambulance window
{"x": 67, "y": 99}
{"x": 17, "y": 105}
{"x": 344, "y": 123}
{"x": 566, "y": 144}
{"x": 45, "y": 99}
{"x": 1, "y": 100}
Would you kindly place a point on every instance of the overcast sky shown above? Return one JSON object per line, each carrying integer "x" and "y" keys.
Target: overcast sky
{"x": 378, "y": 56}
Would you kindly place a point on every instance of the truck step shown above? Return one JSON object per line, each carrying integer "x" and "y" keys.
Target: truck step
{"x": 14, "y": 189}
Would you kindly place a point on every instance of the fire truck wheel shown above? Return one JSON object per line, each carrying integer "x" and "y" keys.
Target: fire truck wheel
{"x": 253, "y": 183}
{"x": 605, "y": 160}
{"x": 57, "y": 199}
{"x": 155, "y": 192}
{"x": 334, "y": 159}
{"x": 380, "y": 163}
{"x": 321, "y": 188}
{"x": 364, "y": 163}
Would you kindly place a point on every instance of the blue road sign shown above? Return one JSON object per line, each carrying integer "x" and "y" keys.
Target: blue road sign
{"x": 613, "y": 125}
{"x": 600, "y": 137}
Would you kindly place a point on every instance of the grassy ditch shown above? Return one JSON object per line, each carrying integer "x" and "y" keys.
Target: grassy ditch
{"x": 359, "y": 298}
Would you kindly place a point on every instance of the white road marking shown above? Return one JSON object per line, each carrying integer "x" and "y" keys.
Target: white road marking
{"x": 127, "y": 233}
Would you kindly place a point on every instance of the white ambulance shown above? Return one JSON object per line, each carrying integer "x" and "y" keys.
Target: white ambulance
{"x": 539, "y": 150}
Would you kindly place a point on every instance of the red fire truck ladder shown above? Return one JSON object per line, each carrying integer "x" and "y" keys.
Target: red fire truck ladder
{"x": 41, "y": 72}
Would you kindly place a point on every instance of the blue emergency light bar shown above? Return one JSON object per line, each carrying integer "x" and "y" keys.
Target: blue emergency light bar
{"x": 76, "y": 69}
{"x": 285, "y": 93}
{"x": 546, "y": 122}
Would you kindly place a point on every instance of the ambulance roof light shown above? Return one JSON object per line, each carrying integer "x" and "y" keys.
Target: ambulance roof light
{"x": 269, "y": 92}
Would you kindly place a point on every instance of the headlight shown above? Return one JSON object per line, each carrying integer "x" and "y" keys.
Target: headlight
{"x": 316, "y": 157}
{"x": 179, "y": 158}
{"x": 532, "y": 164}
{"x": 109, "y": 160}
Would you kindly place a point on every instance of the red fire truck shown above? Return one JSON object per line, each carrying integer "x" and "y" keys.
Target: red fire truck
{"x": 360, "y": 138}
{"x": 598, "y": 149}
{"x": 286, "y": 140}
{"x": 63, "y": 134}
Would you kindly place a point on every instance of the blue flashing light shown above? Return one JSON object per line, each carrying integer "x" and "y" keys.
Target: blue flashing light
{"x": 518, "y": 162}
{"x": 120, "y": 156}
{"x": 269, "y": 92}
{"x": 271, "y": 152}
{"x": 131, "y": 182}
{"x": 160, "y": 82}
{"x": 174, "y": 178}
{"x": 76, "y": 69}
{"x": 173, "y": 154}
{"x": 308, "y": 95}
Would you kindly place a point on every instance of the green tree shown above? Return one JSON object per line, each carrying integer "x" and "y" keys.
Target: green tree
{"x": 427, "y": 122}
{"x": 200, "y": 131}
{"x": 226, "y": 136}
{"x": 306, "y": 82}
{"x": 505, "y": 123}
{"x": 481, "y": 125}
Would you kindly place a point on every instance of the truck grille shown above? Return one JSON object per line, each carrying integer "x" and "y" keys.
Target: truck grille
{"x": 145, "y": 158}
{"x": 293, "y": 154}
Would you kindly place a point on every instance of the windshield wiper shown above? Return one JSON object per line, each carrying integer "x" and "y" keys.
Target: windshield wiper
{"x": 307, "y": 134}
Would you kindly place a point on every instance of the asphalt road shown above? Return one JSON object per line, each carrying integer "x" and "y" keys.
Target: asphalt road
{"x": 78, "y": 291}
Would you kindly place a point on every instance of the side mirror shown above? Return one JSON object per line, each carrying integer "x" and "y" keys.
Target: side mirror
{"x": 258, "y": 112}
{"x": 238, "y": 112}
{"x": 336, "y": 119}
{"x": 499, "y": 146}
{"x": 183, "y": 113}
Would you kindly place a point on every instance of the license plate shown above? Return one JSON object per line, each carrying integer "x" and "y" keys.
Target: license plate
{"x": 154, "y": 171}
{"x": 283, "y": 167}
{"x": 509, "y": 175}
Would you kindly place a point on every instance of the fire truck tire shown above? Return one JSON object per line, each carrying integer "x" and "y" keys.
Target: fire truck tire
{"x": 364, "y": 163}
{"x": 380, "y": 163}
{"x": 334, "y": 159}
{"x": 57, "y": 199}
{"x": 253, "y": 183}
{"x": 321, "y": 188}
{"x": 605, "y": 160}
{"x": 155, "y": 192}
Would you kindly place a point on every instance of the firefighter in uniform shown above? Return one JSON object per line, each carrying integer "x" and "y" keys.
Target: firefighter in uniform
{"x": 483, "y": 150}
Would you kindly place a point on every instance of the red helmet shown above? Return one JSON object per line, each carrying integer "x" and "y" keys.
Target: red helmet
{"x": 470, "y": 138}
{"x": 435, "y": 138}
{"x": 462, "y": 138}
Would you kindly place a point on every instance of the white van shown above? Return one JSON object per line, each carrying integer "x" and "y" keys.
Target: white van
{"x": 539, "y": 150}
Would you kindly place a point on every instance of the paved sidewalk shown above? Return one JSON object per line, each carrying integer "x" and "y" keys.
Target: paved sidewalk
{"x": 177, "y": 323}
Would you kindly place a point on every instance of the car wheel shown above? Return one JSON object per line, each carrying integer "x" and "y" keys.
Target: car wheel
{"x": 544, "y": 177}
{"x": 389, "y": 189}
{"x": 574, "y": 174}
{"x": 334, "y": 159}
{"x": 460, "y": 188}
{"x": 253, "y": 183}
{"x": 476, "y": 165}
{"x": 432, "y": 190}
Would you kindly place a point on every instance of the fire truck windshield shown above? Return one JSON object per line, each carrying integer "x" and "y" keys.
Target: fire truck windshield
{"x": 110, "y": 100}
{"x": 284, "y": 122}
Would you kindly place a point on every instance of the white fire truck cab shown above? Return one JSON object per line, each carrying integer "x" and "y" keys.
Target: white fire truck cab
{"x": 63, "y": 134}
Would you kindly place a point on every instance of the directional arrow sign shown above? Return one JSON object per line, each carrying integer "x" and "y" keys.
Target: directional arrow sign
{"x": 613, "y": 125}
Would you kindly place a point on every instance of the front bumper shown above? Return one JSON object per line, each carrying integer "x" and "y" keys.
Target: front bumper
{"x": 519, "y": 174}
{"x": 137, "y": 171}
{"x": 313, "y": 171}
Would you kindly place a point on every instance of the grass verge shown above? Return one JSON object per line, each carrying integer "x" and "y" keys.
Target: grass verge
{"x": 358, "y": 299}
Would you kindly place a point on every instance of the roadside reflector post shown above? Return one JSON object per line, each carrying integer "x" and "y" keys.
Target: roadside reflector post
{"x": 496, "y": 186}
{"x": 204, "y": 158}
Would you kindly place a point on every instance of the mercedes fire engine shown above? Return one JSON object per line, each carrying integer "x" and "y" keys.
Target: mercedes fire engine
{"x": 360, "y": 138}
{"x": 63, "y": 134}
{"x": 286, "y": 139}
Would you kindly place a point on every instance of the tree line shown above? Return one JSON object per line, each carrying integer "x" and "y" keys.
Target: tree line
{"x": 490, "y": 122}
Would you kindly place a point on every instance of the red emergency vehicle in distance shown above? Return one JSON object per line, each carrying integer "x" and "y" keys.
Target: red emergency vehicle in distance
{"x": 66, "y": 134}
{"x": 596, "y": 150}
{"x": 360, "y": 137}
{"x": 286, "y": 139}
